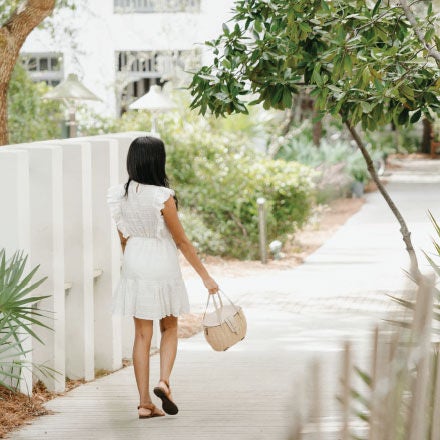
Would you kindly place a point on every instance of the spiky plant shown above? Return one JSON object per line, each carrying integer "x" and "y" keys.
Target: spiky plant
{"x": 17, "y": 315}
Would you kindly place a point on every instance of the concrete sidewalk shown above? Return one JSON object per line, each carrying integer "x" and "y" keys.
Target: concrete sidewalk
{"x": 293, "y": 316}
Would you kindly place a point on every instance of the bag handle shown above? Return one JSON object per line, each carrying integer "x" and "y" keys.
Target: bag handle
{"x": 217, "y": 309}
{"x": 227, "y": 297}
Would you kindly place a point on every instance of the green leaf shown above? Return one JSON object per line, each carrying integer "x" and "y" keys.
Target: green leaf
{"x": 287, "y": 98}
{"x": 348, "y": 65}
{"x": 429, "y": 34}
{"x": 366, "y": 378}
{"x": 226, "y": 63}
{"x": 433, "y": 264}
{"x": 415, "y": 116}
{"x": 407, "y": 92}
{"x": 403, "y": 117}
{"x": 434, "y": 223}
{"x": 376, "y": 8}
{"x": 277, "y": 96}
{"x": 324, "y": 6}
{"x": 257, "y": 25}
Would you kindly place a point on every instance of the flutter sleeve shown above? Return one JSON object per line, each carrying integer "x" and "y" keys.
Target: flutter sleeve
{"x": 115, "y": 194}
{"x": 162, "y": 195}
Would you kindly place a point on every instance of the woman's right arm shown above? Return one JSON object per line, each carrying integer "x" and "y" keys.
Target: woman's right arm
{"x": 182, "y": 242}
{"x": 123, "y": 240}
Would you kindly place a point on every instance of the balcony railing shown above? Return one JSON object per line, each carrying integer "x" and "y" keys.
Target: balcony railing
{"x": 154, "y": 6}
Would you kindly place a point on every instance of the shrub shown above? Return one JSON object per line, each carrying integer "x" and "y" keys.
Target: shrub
{"x": 221, "y": 180}
{"x": 334, "y": 176}
{"x": 30, "y": 117}
{"x": 206, "y": 240}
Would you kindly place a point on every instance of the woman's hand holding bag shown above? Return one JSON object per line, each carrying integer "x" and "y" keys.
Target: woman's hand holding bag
{"x": 225, "y": 326}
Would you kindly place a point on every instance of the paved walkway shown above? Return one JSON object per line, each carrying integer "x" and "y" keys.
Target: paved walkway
{"x": 293, "y": 316}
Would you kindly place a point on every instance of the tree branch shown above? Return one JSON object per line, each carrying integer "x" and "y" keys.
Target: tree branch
{"x": 26, "y": 17}
{"x": 433, "y": 53}
{"x": 13, "y": 34}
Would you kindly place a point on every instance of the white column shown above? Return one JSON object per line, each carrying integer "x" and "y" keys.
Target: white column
{"x": 14, "y": 226}
{"x": 47, "y": 250}
{"x": 78, "y": 254}
{"x": 106, "y": 254}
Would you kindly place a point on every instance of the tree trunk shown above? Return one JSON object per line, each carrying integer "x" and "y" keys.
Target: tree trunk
{"x": 396, "y": 136}
{"x": 287, "y": 124}
{"x": 3, "y": 113}
{"x": 406, "y": 234}
{"x": 425, "y": 146}
{"x": 317, "y": 131}
{"x": 13, "y": 34}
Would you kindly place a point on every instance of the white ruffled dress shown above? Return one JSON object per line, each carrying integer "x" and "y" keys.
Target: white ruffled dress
{"x": 151, "y": 284}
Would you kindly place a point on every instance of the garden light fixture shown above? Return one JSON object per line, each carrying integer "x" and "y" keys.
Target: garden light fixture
{"x": 71, "y": 90}
{"x": 154, "y": 101}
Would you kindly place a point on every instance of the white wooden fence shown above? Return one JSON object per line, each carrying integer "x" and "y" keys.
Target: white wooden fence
{"x": 53, "y": 207}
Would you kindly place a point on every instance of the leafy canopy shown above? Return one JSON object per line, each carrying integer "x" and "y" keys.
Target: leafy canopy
{"x": 30, "y": 117}
{"x": 357, "y": 59}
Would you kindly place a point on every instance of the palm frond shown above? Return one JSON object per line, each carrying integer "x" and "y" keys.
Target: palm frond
{"x": 19, "y": 315}
{"x": 433, "y": 264}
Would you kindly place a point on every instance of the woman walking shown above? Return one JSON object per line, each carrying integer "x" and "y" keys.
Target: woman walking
{"x": 151, "y": 285}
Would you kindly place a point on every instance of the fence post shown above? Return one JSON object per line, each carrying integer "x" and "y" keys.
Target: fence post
{"x": 106, "y": 254}
{"x": 15, "y": 223}
{"x": 316, "y": 404}
{"x": 346, "y": 387}
{"x": 78, "y": 248}
{"x": 392, "y": 402}
{"x": 422, "y": 328}
{"x": 373, "y": 431}
{"x": 435, "y": 434}
{"x": 47, "y": 250}
{"x": 261, "y": 203}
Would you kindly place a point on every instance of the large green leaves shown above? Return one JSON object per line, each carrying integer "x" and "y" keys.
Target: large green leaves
{"x": 17, "y": 314}
{"x": 358, "y": 59}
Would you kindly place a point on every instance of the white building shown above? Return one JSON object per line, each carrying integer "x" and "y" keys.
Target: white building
{"x": 119, "y": 48}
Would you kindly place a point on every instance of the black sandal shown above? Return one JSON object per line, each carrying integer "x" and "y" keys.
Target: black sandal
{"x": 167, "y": 404}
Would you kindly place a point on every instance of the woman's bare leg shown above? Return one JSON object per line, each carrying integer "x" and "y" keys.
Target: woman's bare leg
{"x": 141, "y": 359}
{"x": 168, "y": 348}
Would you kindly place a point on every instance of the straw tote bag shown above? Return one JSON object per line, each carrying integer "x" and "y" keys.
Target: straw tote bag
{"x": 225, "y": 326}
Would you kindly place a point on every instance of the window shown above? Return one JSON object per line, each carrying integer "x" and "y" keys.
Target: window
{"x": 150, "y": 64}
{"x": 45, "y": 67}
{"x": 151, "y": 6}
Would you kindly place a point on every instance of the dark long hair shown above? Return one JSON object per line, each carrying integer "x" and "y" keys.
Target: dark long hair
{"x": 146, "y": 162}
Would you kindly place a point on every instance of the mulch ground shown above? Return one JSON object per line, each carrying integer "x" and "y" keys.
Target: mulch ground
{"x": 17, "y": 409}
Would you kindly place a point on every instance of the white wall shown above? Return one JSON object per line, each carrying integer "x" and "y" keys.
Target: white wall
{"x": 98, "y": 34}
{"x": 57, "y": 213}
